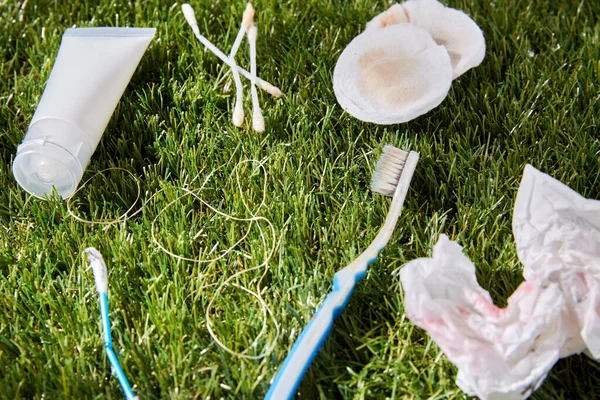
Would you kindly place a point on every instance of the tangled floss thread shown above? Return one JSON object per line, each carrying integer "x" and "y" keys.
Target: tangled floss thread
{"x": 266, "y": 312}
{"x": 123, "y": 217}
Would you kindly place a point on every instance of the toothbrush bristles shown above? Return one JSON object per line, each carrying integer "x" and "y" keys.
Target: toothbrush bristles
{"x": 388, "y": 170}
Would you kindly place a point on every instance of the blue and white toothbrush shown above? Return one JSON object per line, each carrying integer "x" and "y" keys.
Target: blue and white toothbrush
{"x": 392, "y": 177}
{"x": 100, "y": 276}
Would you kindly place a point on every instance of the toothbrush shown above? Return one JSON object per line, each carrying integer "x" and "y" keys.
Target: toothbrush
{"x": 100, "y": 276}
{"x": 392, "y": 177}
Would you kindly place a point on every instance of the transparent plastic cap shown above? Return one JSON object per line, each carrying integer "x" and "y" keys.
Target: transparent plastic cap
{"x": 52, "y": 156}
{"x": 41, "y": 166}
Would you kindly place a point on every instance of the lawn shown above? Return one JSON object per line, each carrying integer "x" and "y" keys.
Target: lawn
{"x": 534, "y": 99}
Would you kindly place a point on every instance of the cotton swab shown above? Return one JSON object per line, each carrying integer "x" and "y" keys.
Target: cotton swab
{"x": 247, "y": 19}
{"x": 100, "y": 276}
{"x": 246, "y": 22}
{"x": 238, "y": 113}
{"x": 238, "y": 109}
{"x": 258, "y": 122}
{"x": 188, "y": 13}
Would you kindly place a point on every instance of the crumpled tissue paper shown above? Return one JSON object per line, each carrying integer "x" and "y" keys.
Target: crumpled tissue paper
{"x": 506, "y": 353}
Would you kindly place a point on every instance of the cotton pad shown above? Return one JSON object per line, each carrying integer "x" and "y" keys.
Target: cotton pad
{"x": 396, "y": 14}
{"x": 449, "y": 27}
{"x": 392, "y": 74}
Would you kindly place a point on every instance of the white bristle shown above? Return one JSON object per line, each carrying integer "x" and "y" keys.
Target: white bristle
{"x": 388, "y": 170}
{"x": 98, "y": 268}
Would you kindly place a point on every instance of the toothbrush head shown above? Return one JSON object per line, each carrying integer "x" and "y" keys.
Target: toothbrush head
{"x": 388, "y": 170}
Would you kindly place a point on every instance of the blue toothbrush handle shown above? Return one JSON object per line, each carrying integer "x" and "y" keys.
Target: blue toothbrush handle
{"x": 308, "y": 344}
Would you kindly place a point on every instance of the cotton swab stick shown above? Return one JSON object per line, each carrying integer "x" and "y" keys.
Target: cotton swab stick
{"x": 247, "y": 19}
{"x": 238, "y": 113}
{"x": 258, "y": 122}
{"x": 246, "y": 22}
{"x": 100, "y": 277}
{"x": 188, "y": 13}
{"x": 238, "y": 109}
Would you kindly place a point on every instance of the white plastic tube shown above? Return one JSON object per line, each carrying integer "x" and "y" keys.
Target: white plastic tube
{"x": 91, "y": 71}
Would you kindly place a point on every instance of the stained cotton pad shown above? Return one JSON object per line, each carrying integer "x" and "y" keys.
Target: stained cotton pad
{"x": 392, "y": 75}
{"x": 396, "y": 14}
{"x": 449, "y": 27}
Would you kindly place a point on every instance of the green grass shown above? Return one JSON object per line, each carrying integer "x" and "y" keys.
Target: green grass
{"x": 535, "y": 99}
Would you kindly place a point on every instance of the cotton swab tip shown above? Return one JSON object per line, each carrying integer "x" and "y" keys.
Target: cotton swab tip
{"x": 252, "y": 32}
{"x": 188, "y": 13}
{"x": 99, "y": 268}
{"x": 238, "y": 115}
{"x": 271, "y": 89}
{"x": 248, "y": 16}
{"x": 258, "y": 121}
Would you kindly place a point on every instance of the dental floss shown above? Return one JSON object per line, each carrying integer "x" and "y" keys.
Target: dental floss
{"x": 265, "y": 309}
{"x": 123, "y": 217}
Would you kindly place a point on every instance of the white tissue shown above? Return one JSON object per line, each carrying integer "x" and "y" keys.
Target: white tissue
{"x": 506, "y": 353}
{"x": 556, "y": 229}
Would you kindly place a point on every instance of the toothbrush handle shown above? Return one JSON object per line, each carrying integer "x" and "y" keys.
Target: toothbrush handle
{"x": 307, "y": 345}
